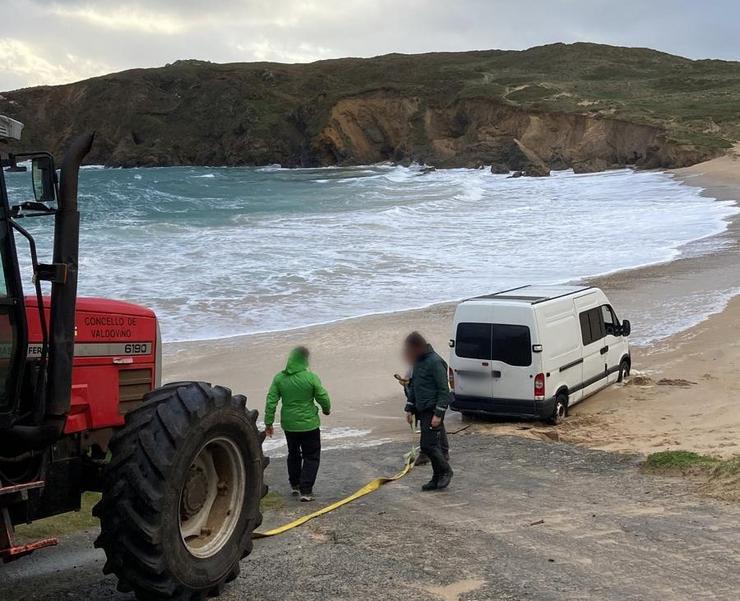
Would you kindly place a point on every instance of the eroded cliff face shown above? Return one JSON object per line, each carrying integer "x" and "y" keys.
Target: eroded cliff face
{"x": 380, "y": 127}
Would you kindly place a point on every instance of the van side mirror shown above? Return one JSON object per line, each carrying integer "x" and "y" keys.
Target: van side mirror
{"x": 452, "y": 343}
{"x": 626, "y": 327}
{"x": 44, "y": 178}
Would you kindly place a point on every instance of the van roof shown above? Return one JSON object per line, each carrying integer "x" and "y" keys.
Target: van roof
{"x": 531, "y": 295}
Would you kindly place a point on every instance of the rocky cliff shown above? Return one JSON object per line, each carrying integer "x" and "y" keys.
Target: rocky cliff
{"x": 584, "y": 106}
{"x": 379, "y": 126}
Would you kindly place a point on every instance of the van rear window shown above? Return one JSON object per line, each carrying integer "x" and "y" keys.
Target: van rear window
{"x": 498, "y": 342}
{"x": 512, "y": 344}
{"x": 473, "y": 340}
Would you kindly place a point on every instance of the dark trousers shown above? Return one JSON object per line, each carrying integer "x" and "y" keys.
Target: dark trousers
{"x": 431, "y": 443}
{"x": 444, "y": 442}
{"x": 304, "y": 456}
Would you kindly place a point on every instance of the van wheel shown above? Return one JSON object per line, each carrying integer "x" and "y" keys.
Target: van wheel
{"x": 624, "y": 370}
{"x": 560, "y": 410}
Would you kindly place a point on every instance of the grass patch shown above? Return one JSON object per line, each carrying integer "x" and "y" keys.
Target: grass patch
{"x": 74, "y": 521}
{"x": 65, "y": 523}
{"x": 482, "y": 90}
{"x": 272, "y": 501}
{"x": 531, "y": 93}
{"x": 673, "y": 461}
{"x": 729, "y": 468}
{"x": 714, "y": 477}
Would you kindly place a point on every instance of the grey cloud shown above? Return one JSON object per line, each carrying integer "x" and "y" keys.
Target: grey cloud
{"x": 62, "y": 40}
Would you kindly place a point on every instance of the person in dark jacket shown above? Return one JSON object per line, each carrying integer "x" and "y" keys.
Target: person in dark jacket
{"x": 428, "y": 397}
{"x": 421, "y": 458}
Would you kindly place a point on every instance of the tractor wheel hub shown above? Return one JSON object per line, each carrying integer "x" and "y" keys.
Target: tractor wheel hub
{"x": 195, "y": 492}
{"x": 212, "y": 497}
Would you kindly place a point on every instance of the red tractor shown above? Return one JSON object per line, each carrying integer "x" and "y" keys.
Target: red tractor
{"x": 180, "y": 466}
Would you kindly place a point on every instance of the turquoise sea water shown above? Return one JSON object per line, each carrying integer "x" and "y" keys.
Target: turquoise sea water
{"x": 227, "y": 251}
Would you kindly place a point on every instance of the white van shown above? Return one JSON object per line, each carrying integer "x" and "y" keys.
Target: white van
{"x": 535, "y": 350}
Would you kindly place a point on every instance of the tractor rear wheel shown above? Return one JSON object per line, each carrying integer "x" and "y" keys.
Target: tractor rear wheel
{"x": 181, "y": 493}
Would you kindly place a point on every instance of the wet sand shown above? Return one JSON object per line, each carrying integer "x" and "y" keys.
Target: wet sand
{"x": 356, "y": 358}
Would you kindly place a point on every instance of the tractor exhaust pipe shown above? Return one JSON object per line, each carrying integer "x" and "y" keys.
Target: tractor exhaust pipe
{"x": 64, "y": 290}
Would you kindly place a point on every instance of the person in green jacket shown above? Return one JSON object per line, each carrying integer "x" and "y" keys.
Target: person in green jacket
{"x": 299, "y": 390}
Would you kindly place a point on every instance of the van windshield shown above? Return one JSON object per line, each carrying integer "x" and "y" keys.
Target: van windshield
{"x": 508, "y": 343}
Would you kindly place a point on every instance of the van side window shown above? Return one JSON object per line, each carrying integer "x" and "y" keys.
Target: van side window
{"x": 585, "y": 328}
{"x": 598, "y": 331}
{"x": 611, "y": 323}
{"x": 473, "y": 340}
{"x": 592, "y": 325}
{"x": 512, "y": 344}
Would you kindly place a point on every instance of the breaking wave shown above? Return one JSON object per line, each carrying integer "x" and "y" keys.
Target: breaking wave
{"x": 228, "y": 251}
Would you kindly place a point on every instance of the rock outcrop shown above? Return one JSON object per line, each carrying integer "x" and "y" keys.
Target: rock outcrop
{"x": 592, "y": 165}
{"x": 534, "y": 166}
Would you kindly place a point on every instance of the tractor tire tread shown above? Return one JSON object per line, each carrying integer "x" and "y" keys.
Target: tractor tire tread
{"x": 143, "y": 451}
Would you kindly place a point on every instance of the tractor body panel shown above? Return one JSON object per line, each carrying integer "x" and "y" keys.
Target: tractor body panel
{"x": 115, "y": 360}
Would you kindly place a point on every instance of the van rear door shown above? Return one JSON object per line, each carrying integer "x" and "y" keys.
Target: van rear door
{"x": 471, "y": 361}
{"x": 512, "y": 368}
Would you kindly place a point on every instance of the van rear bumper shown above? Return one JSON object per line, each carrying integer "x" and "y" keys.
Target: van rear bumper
{"x": 502, "y": 407}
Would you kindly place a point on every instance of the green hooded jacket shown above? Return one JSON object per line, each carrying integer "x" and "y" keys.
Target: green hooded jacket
{"x": 299, "y": 390}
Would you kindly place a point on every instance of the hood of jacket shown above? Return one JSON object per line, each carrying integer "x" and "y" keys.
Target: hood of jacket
{"x": 296, "y": 363}
{"x": 429, "y": 350}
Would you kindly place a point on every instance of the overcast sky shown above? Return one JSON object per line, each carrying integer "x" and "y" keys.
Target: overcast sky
{"x": 57, "y": 41}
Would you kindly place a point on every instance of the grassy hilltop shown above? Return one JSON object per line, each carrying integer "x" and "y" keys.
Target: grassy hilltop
{"x": 585, "y": 105}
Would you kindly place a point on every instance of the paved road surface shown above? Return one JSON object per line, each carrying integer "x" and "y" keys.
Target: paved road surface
{"x": 523, "y": 520}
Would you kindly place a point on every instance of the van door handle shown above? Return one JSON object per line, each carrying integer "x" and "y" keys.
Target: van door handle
{"x": 495, "y": 373}
{"x": 604, "y": 350}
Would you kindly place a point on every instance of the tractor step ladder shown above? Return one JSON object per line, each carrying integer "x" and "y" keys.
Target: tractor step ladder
{"x": 9, "y": 547}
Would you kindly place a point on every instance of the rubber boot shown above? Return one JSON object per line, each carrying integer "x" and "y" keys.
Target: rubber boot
{"x": 431, "y": 485}
{"x": 444, "y": 479}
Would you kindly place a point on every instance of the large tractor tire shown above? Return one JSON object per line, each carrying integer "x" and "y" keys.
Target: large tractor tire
{"x": 181, "y": 493}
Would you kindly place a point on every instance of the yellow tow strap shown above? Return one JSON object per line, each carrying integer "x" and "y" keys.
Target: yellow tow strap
{"x": 365, "y": 490}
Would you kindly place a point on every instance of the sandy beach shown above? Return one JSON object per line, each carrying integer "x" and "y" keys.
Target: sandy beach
{"x": 682, "y": 393}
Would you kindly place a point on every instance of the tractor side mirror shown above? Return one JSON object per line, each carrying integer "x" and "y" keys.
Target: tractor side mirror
{"x": 626, "y": 327}
{"x": 43, "y": 176}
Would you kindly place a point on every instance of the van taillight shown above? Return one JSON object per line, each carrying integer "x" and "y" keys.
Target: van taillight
{"x": 452, "y": 379}
{"x": 539, "y": 387}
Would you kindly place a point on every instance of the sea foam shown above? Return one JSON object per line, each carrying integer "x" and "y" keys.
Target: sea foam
{"x": 262, "y": 249}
